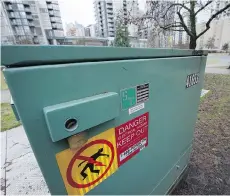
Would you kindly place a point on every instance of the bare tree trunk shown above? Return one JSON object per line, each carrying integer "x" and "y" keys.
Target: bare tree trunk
{"x": 192, "y": 25}
{"x": 192, "y": 43}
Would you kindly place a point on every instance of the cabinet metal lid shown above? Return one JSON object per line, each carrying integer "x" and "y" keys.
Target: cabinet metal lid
{"x": 23, "y": 55}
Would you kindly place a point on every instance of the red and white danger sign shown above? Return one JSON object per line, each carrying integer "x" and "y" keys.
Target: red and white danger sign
{"x": 131, "y": 137}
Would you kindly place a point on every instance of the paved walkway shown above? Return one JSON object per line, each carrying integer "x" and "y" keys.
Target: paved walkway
{"x": 216, "y": 70}
{"x": 218, "y": 64}
{"x": 5, "y": 96}
{"x": 20, "y": 173}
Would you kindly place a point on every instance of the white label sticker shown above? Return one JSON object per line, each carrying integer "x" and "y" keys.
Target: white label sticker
{"x": 203, "y": 92}
{"x": 136, "y": 108}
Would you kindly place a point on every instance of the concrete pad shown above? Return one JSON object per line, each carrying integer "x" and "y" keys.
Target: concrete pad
{"x": 3, "y": 148}
{"x": 217, "y": 70}
{"x": 17, "y": 143}
{"x": 23, "y": 175}
{"x": 3, "y": 159}
{"x": 5, "y": 96}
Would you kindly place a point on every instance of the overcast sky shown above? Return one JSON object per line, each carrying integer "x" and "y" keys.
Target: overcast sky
{"x": 82, "y": 11}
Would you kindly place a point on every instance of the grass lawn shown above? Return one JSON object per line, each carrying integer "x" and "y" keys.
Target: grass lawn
{"x": 3, "y": 83}
{"x": 8, "y": 119}
{"x": 209, "y": 167}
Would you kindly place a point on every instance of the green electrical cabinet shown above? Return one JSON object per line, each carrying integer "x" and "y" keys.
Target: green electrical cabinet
{"x": 104, "y": 120}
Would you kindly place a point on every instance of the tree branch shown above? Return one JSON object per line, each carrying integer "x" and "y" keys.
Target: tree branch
{"x": 176, "y": 4}
{"x": 184, "y": 25}
{"x": 209, "y": 2}
{"x": 170, "y": 26}
{"x": 213, "y": 17}
{"x": 182, "y": 30}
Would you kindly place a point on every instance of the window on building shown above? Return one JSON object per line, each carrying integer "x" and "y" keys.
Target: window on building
{"x": 9, "y": 6}
{"x": 38, "y": 31}
{"x": 36, "y": 23}
{"x": 32, "y": 29}
{"x": 57, "y": 13}
{"x": 23, "y": 14}
{"x": 18, "y": 21}
{"x": 55, "y": 7}
{"x": 43, "y": 10}
{"x": 55, "y": 2}
{"x": 59, "y": 26}
{"x": 16, "y": 14}
{"x": 49, "y": 33}
{"x": 27, "y": 30}
{"x": 58, "y": 33}
{"x": 14, "y": 6}
{"x": 33, "y": 8}
{"x": 25, "y": 21}
{"x": 58, "y": 20}
{"x": 19, "y": 30}
{"x": 20, "y": 7}
{"x": 31, "y": 2}
{"x": 52, "y": 19}
{"x": 35, "y": 16}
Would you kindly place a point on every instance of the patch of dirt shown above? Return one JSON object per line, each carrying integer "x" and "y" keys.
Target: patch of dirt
{"x": 209, "y": 167}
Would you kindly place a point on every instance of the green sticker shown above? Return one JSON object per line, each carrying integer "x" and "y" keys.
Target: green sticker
{"x": 128, "y": 98}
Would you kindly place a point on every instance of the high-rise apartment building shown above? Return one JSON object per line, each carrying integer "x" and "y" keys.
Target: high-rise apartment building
{"x": 90, "y": 30}
{"x": 219, "y": 31}
{"x": 104, "y": 18}
{"x": 106, "y": 12}
{"x": 75, "y": 29}
{"x": 30, "y": 22}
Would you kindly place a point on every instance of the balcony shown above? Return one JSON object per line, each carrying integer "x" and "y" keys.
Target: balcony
{"x": 54, "y": 26}
{"x": 31, "y": 24}
{"x": 58, "y": 20}
{"x": 110, "y": 12}
{"x": 9, "y": 7}
{"x": 49, "y": 6}
{"x": 29, "y": 17}
{"x": 13, "y": 23}
{"x": 36, "y": 41}
{"x": 11, "y": 15}
{"x": 34, "y": 34}
{"x": 27, "y": 10}
{"x": 51, "y": 12}
{"x": 7, "y": 2}
{"x": 109, "y": 5}
{"x": 25, "y": 3}
{"x": 52, "y": 19}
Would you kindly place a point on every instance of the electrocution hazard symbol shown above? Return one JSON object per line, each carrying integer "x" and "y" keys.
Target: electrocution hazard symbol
{"x": 94, "y": 162}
